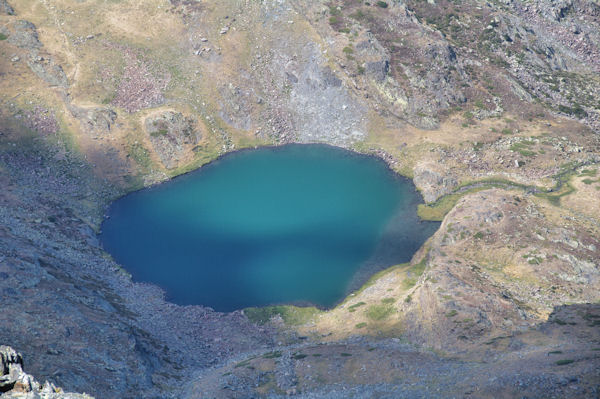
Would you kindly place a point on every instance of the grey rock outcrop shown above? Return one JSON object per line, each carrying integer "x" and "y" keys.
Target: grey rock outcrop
{"x": 96, "y": 120}
{"x": 170, "y": 133}
{"x": 47, "y": 70}
{"x": 5, "y": 8}
{"x": 15, "y": 383}
{"x": 432, "y": 184}
{"x": 24, "y": 35}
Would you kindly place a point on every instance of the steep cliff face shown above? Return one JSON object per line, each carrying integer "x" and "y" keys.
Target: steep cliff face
{"x": 492, "y": 108}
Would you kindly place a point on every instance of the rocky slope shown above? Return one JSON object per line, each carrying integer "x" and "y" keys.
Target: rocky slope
{"x": 493, "y": 108}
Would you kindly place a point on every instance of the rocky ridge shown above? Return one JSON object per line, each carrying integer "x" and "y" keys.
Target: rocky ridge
{"x": 15, "y": 383}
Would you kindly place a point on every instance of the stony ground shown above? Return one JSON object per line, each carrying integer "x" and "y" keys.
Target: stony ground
{"x": 492, "y": 108}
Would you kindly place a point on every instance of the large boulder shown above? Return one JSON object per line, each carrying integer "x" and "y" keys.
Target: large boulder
{"x": 15, "y": 383}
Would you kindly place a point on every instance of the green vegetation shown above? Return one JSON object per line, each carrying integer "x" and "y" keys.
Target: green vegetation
{"x": 451, "y": 313}
{"x": 352, "y": 308}
{"x": 414, "y": 272}
{"x": 379, "y": 312}
{"x": 506, "y": 131}
{"x": 576, "y": 110}
{"x": 382, "y": 4}
{"x": 161, "y": 132}
{"x": 272, "y": 355}
{"x": 522, "y": 148}
{"x": 3, "y": 36}
{"x": 140, "y": 155}
{"x": 555, "y": 352}
{"x": 478, "y": 235}
{"x": 291, "y": 315}
{"x": 344, "y": 354}
{"x": 388, "y": 300}
{"x": 242, "y": 364}
{"x": 361, "y": 325}
{"x": 299, "y": 356}
{"x": 564, "y": 361}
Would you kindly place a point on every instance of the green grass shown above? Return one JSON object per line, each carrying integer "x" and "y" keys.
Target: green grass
{"x": 589, "y": 172}
{"x": 388, "y": 300}
{"x": 555, "y": 352}
{"x": 379, "y": 312}
{"x": 299, "y": 356}
{"x": 344, "y": 354}
{"x": 361, "y": 325}
{"x": 352, "y": 308}
{"x": 478, "y": 235}
{"x": 415, "y": 272}
{"x": 564, "y": 361}
{"x": 3, "y": 36}
{"x": 451, "y": 313}
{"x": 242, "y": 364}
{"x": 291, "y": 315}
{"x": 161, "y": 132}
{"x": 140, "y": 155}
{"x": 382, "y": 4}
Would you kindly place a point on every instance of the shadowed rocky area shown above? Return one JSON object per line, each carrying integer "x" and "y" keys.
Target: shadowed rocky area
{"x": 492, "y": 108}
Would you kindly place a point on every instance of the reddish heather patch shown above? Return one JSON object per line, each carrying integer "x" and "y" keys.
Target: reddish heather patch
{"x": 139, "y": 87}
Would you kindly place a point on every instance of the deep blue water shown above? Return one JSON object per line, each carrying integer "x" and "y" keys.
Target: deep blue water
{"x": 291, "y": 224}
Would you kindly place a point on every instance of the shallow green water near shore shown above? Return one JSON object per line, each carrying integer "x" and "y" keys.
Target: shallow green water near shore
{"x": 292, "y": 224}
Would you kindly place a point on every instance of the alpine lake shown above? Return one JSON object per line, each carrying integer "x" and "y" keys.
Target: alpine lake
{"x": 295, "y": 224}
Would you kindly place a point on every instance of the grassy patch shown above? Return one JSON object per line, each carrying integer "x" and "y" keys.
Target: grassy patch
{"x": 382, "y": 4}
{"x": 361, "y": 325}
{"x": 451, "y": 313}
{"x": 160, "y": 133}
{"x": 140, "y": 155}
{"x": 555, "y": 352}
{"x": 3, "y": 36}
{"x": 478, "y": 235}
{"x": 299, "y": 356}
{"x": 344, "y": 354}
{"x": 242, "y": 364}
{"x": 388, "y": 300}
{"x": 352, "y": 308}
{"x": 291, "y": 315}
{"x": 379, "y": 312}
{"x": 414, "y": 272}
{"x": 562, "y": 362}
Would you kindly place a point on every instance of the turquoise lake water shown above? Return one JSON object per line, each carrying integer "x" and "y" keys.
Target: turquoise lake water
{"x": 299, "y": 224}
